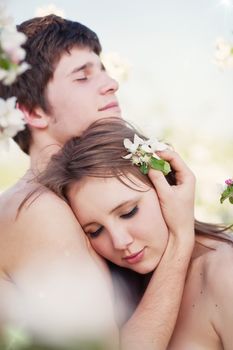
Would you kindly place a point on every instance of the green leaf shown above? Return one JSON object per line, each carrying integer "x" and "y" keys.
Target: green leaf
{"x": 144, "y": 168}
{"x": 161, "y": 165}
{"x": 227, "y": 193}
{"x": 4, "y": 63}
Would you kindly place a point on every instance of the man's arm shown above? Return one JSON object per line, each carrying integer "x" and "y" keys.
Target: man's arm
{"x": 152, "y": 324}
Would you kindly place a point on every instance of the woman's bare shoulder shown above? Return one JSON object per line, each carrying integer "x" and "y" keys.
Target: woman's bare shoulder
{"x": 212, "y": 261}
{"x": 219, "y": 286}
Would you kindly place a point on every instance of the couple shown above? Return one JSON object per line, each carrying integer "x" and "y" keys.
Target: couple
{"x": 64, "y": 92}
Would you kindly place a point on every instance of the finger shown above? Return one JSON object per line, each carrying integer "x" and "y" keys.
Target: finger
{"x": 183, "y": 172}
{"x": 160, "y": 183}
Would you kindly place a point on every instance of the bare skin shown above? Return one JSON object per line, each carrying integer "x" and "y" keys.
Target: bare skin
{"x": 206, "y": 317}
{"x": 47, "y": 230}
{"x": 34, "y": 250}
{"x": 33, "y": 235}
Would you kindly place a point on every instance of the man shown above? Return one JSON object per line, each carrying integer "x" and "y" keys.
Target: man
{"x": 65, "y": 90}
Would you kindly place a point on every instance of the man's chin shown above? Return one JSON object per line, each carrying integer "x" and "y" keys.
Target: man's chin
{"x": 112, "y": 113}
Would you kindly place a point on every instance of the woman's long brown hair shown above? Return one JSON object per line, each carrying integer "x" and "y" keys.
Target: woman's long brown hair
{"x": 99, "y": 152}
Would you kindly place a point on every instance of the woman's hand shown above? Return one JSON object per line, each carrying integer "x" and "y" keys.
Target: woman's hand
{"x": 176, "y": 201}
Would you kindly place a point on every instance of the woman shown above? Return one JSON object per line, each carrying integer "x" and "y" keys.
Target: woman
{"x": 124, "y": 219}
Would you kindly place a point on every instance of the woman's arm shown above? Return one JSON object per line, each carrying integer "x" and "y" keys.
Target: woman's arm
{"x": 152, "y": 323}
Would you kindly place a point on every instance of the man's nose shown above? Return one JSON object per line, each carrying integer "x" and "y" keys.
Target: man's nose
{"x": 109, "y": 85}
{"x": 121, "y": 239}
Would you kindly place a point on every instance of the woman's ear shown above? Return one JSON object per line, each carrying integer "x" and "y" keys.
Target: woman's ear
{"x": 36, "y": 118}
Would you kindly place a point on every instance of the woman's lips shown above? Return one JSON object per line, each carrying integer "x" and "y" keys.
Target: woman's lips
{"x": 135, "y": 258}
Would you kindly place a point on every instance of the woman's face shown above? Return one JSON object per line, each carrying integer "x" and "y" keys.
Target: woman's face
{"x": 124, "y": 226}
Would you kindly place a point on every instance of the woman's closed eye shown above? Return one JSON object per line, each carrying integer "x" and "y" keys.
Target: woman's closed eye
{"x": 130, "y": 214}
{"x": 96, "y": 233}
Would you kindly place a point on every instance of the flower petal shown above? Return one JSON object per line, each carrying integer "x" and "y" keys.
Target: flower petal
{"x": 127, "y": 143}
{"x": 128, "y": 156}
{"x": 137, "y": 140}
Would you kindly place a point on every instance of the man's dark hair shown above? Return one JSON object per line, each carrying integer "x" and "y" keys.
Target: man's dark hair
{"x": 47, "y": 39}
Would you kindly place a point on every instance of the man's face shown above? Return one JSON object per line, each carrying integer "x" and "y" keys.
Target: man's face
{"x": 80, "y": 93}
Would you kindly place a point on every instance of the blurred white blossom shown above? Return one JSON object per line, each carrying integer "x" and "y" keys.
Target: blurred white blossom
{"x": 11, "y": 120}
{"x": 5, "y": 19}
{"x": 11, "y": 41}
{"x": 117, "y": 66}
{"x": 11, "y": 65}
{"x": 223, "y": 54}
{"x": 11, "y": 54}
{"x": 74, "y": 303}
{"x": 48, "y": 10}
{"x": 10, "y": 75}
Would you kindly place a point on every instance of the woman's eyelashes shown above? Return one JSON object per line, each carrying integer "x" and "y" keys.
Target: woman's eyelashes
{"x": 127, "y": 215}
{"x": 130, "y": 213}
{"x": 96, "y": 233}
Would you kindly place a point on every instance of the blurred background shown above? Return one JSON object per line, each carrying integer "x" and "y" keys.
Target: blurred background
{"x": 162, "y": 52}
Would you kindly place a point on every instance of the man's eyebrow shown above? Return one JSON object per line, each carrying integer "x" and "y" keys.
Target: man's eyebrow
{"x": 112, "y": 211}
{"x": 85, "y": 66}
{"x": 82, "y": 67}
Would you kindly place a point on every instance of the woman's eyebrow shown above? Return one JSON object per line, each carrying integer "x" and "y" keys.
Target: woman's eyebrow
{"x": 120, "y": 206}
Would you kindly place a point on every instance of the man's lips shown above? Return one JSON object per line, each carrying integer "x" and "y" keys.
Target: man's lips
{"x": 109, "y": 105}
{"x": 136, "y": 257}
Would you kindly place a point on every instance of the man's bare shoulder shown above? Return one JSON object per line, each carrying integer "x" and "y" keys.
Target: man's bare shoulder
{"x": 44, "y": 224}
{"x": 45, "y": 252}
{"x": 35, "y": 204}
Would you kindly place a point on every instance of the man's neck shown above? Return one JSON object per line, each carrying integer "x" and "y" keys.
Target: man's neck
{"x": 40, "y": 155}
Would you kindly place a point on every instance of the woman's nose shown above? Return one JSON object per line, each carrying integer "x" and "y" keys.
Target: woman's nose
{"x": 121, "y": 239}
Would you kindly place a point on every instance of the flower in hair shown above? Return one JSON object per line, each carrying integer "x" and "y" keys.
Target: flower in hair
{"x": 142, "y": 153}
{"x": 227, "y": 192}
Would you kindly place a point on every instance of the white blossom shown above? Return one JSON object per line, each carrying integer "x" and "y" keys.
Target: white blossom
{"x": 223, "y": 54}
{"x": 11, "y": 54}
{"x": 117, "y": 66}
{"x": 3, "y": 74}
{"x": 136, "y": 160}
{"x": 142, "y": 151}
{"x": 9, "y": 76}
{"x": 133, "y": 146}
{"x": 153, "y": 145}
{"x": 11, "y": 120}
{"x": 11, "y": 41}
{"x": 5, "y": 19}
{"x": 147, "y": 146}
